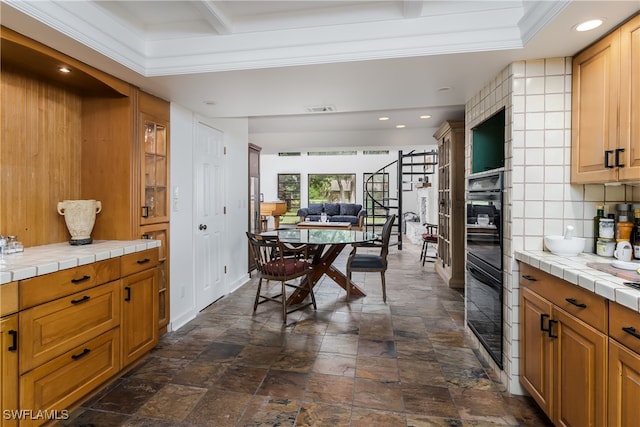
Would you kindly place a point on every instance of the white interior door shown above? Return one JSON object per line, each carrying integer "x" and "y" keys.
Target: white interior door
{"x": 209, "y": 215}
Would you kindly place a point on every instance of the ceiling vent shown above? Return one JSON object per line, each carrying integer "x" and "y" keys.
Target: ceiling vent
{"x": 320, "y": 109}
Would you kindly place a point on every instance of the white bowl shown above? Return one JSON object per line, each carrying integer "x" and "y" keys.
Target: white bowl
{"x": 558, "y": 245}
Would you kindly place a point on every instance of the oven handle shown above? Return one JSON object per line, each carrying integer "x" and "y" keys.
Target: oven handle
{"x": 483, "y": 277}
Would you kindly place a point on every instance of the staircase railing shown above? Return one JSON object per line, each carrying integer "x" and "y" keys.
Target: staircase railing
{"x": 406, "y": 169}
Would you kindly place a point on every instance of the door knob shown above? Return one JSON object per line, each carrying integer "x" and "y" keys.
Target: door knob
{"x": 202, "y": 227}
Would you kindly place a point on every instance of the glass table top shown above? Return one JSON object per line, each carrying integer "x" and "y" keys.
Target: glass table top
{"x": 321, "y": 237}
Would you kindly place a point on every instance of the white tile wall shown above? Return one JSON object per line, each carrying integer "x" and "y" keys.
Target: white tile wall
{"x": 539, "y": 198}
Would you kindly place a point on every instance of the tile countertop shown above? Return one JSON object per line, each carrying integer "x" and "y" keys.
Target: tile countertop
{"x": 574, "y": 270}
{"x": 39, "y": 260}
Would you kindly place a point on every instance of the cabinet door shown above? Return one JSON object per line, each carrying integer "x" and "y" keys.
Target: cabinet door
{"x": 161, "y": 232}
{"x": 624, "y": 386}
{"x": 594, "y": 119}
{"x": 580, "y": 372}
{"x": 139, "y": 314}
{"x": 536, "y": 350}
{"x": 8, "y": 368}
{"x": 630, "y": 99}
{"x": 155, "y": 171}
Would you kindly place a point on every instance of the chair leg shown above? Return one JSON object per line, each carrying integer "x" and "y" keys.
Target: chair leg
{"x": 284, "y": 303}
{"x": 348, "y": 285}
{"x": 423, "y": 252}
{"x": 313, "y": 297}
{"x": 384, "y": 288}
{"x": 255, "y": 304}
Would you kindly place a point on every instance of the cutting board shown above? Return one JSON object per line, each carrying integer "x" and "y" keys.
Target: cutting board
{"x": 630, "y": 275}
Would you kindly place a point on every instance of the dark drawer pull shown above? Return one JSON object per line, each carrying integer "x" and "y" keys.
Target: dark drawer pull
{"x": 143, "y": 261}
{"x": 14, "y": 340}
{"x": 529, "y": 278}
{"x": 551, "y": 323}
{"x": 542, "y": 317}
{"x": 576, "y": 303}
{"x": 606, "y": 159}
{"x": 81, "y": 300}
{"x": 617, "y": 157}
{"x": 78, "y": 356}
{"x": 631, "y": 331}
{"x": 82, "y": 279}
{"x": 128, "y": 296}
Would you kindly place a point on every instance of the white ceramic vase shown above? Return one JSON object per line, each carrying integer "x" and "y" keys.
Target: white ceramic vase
{"x": 80, "y": 216}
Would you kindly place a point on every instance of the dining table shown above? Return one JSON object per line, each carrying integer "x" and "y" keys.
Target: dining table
{"x": 329, "y": 244}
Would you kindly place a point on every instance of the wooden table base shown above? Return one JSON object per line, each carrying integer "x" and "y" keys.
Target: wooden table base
{"x": 323, "y": 264}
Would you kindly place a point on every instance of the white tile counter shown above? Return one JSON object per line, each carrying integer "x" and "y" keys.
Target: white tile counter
{"x": 574, "y": 270}
{"x": 39, "y": 260}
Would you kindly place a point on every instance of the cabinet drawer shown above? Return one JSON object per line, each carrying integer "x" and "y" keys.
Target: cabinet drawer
{"x": 58, "y": 384}
{"x": 8, "y": 298}
{"x": 581, "y": 303}
{"x": 48, "y": 330}
{"x": 139, "y": 261}
{"x": 48, "y": 287}
{"x": 624, "y": 326}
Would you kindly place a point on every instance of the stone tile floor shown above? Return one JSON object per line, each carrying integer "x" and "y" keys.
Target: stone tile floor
{"x": 364, "y": 363}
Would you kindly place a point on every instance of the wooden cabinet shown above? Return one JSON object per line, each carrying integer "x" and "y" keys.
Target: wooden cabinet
{"x": 563, "y": 349}
{"x": 624, "y": 367}
{"x": 139, "y": 304}
{"x": 8, "y": 368}
{"x": 451, "y": 217}
{"x": 161, "y": 232}
{"x": 606, "y": 108}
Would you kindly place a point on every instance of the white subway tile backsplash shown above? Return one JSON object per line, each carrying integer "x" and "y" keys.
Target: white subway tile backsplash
{"x": 553, "y": 209}
{"x": 534, "y": 138}
{"x": 554, "y": 84}
{"x": 535, "y": 121}
{"x": 554, "y": 120}
{"x": 535, "y": 103}
{"x": 554, "y": 66}
{"x": 534, "y": 191}
{"x": 554, "y": 138}
{"x": 554, "y": 156}
{"x": 533, "y": 174}
{"x": 554, "y": 102}
{"x": 553, "y": 191}
{"x": 594, "y": 193}
{"x": 519, "y": 104}
{"x": 534, "y": 85}
{"x": 534, "y": 157}
{"x": 535, "y": 67}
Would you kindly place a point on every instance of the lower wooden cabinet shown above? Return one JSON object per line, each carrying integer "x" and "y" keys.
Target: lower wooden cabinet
{"x": 8, "y": 368}
{"x": 139, "y": 314}
{"x": 624, "y": 386}
{"x": 64, "y": 334}
{"x": 563, "y": 359}
{"x": 54, "y": 386}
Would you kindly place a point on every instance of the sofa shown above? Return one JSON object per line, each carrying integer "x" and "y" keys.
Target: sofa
{"x": 336, "y": 212}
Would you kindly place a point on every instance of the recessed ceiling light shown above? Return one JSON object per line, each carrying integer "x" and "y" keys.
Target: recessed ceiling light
{"x": 64, "y": 69}
{"x": 589, "y": 25}
{"x": 425, "y": 116}
{"x": 401, "y": 126}
{"x": 383, "y": 118}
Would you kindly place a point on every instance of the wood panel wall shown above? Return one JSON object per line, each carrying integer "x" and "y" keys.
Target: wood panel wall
{"x": 40, "y": 157}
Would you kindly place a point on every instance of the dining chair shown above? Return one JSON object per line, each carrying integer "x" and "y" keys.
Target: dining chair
{"x": 368, "y": 262}
{"x": 289, "y": 264}
{"x": 429, "y": 240}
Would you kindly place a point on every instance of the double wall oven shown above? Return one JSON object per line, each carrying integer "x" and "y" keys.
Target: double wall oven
{"x": 484, "y": 259}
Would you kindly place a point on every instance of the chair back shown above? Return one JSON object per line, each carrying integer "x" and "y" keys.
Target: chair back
{"x": 386, "y": 236}
{"x": 276, "y": 260}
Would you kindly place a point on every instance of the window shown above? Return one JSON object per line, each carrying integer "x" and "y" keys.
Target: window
{"x": 332, "y": 188}
{"x": 377, "y": 187}
{"x": 289, "y": 191}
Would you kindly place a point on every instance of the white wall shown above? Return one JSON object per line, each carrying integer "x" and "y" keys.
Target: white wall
{"x": 183, "y": 125}
{"x": 272, "y": 164}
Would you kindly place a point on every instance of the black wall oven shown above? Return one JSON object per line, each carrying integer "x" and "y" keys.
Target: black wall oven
{"x": 484, "y": 259}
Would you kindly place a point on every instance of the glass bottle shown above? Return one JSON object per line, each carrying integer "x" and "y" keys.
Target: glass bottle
{"x": 623, "y": 228}
{"x": 636, "y": 234}
{"x": 596, "y": 225}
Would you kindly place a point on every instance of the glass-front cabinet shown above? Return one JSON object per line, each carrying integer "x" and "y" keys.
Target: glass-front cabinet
{"x": 155, "y": 197}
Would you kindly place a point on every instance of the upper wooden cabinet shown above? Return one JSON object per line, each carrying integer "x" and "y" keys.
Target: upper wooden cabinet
{"x": 606, "y": 108}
